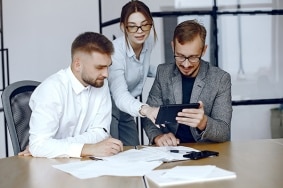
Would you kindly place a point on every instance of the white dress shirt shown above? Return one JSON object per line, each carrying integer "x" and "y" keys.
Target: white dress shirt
{"x": 127, "y": 74}
{"x": 66, "y": 115}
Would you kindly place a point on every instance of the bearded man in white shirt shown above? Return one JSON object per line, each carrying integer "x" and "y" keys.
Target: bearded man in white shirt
{"x": 71, "y": 110}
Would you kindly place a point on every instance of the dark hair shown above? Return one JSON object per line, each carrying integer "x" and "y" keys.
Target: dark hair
{"x": 92, "y": 42}
{"x": 132, "y": 7}
{"x": 188, "y": 30}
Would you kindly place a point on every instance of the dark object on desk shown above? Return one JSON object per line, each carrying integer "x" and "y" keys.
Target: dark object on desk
{"x": 95, "y": 158}
{"x": 15, "y": 99}
{"x": 195, "y": 155}
{"x": 168, "y": 113}
{"x": 174, "y": 151}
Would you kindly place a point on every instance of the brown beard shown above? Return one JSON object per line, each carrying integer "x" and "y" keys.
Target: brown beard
{"x": 197, "y": 68}
{"x": 94, "y": 83}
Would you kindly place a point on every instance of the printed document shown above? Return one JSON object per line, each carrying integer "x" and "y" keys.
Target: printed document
{"x": 126, "y": 163}
{"x": 164, "y": 154}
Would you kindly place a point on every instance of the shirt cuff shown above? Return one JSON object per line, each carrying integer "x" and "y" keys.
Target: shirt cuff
{"x": 142, "y": 115}
{"x": 75, "y": 150}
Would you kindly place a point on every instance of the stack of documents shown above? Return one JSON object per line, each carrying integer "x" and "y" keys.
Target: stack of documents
{"x": 126, "y": 163}
{"x": 92, "y": 169}
{"x": 146, "y": 160}
{"x": 164, "y": 154}
{"x": 188, "y": 174}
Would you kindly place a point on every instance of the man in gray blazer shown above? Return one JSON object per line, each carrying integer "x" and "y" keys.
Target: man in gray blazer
{"x": 191, "y": 80}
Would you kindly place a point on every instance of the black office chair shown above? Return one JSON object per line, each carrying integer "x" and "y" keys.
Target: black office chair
{"x": 15, "y": 99}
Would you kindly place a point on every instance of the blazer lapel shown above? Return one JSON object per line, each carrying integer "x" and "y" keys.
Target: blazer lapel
{"x": 199, "y": 83}
{"x": 197, "y": 89}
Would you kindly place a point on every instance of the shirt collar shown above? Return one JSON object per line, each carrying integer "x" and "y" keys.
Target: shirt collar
{"x": 76, "y": 84}
{"x": 130, "y": 51}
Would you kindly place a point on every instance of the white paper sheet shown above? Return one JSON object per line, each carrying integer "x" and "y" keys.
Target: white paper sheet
{"x": 188, "y": 174}
{"x": 152, "y": 154}
{"x": 131, "y": 162}
{"x": 91, "y": 169}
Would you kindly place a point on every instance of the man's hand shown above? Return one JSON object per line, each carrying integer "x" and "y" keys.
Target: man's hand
{"x": 108, "y": 147}
{"x": 26, "y": 152}
{"x": 168, "y": 139}
{"x": 193, "y": 117}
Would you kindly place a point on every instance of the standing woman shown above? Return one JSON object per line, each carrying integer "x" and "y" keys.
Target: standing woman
{"x": 129, "y": 70}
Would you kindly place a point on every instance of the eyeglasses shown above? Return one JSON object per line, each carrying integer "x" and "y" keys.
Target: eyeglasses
{"x": 191, "y": 59}
{"x": 134, "y": 29}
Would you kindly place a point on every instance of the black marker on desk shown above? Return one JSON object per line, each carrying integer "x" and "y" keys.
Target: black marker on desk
{"x": 174, "y": 151}
{"x": 179, "y": 151}
{"x": 95, "y": 159}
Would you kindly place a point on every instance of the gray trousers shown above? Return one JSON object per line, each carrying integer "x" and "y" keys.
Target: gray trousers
{"x": 123, "y": 127}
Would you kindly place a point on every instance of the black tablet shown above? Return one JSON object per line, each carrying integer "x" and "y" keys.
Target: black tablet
{"x": 168, "y": 113}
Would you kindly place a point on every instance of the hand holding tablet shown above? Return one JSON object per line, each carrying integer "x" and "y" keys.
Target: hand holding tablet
{"x": 168, "y": 113}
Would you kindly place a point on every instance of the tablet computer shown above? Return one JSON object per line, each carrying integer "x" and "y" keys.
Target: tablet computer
{"x": 168, "y": 113}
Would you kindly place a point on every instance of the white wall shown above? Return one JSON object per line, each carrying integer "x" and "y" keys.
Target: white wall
{"x": 39, "y": 34}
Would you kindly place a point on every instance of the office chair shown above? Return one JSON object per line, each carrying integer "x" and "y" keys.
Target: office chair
{"x": 15, "y": 99}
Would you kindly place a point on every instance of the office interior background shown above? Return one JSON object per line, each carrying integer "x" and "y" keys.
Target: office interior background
{"x": 36, "y": 37}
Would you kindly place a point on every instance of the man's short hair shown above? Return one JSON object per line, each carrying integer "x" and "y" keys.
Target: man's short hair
{"x": 89, "y": 42}
{"x": 188, "y": 30}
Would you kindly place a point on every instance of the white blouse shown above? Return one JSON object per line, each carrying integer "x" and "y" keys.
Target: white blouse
{"x": 127, "y": 74}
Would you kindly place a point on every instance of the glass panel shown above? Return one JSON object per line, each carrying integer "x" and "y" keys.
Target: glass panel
{"x": 244, "y": 5}
{"x": 193, "y": 4}
{"x": 249, "y": 51}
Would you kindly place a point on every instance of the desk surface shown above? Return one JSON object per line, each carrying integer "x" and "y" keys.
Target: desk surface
{"x": 257, "y": 163}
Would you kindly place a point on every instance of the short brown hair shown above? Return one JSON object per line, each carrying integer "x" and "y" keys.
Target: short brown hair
{"x": 92, "y": 42}
{"x": 132, "y": 7}
{"x": 188, "y": 31}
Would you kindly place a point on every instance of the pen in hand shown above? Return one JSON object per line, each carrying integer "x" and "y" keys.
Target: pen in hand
{"x": 95, "y": 158}
{"x": 114, "y": 141}
{"x": 105, "y": 130}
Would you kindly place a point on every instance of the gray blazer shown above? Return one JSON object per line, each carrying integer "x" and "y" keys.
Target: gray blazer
{"x": 212, "y": 86}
